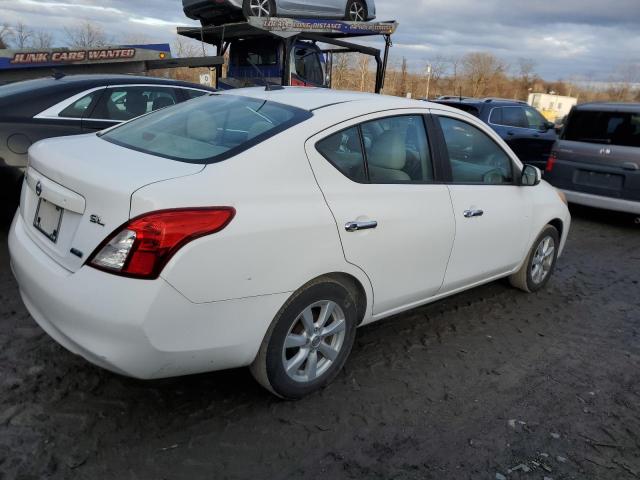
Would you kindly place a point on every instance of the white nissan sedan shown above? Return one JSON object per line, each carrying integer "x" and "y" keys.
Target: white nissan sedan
{"x": 261, "y": 228}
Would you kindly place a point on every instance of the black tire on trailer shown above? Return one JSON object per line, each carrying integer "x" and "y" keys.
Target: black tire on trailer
{"x": 356, "y": 11}
{"x": 259, "y": 8}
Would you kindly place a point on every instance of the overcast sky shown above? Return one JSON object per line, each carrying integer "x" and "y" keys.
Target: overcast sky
{"x": 568, "y": 39}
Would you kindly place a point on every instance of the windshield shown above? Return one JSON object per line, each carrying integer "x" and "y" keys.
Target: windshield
{"x": 609, "y": 128}
{"x": 206, "y": 129}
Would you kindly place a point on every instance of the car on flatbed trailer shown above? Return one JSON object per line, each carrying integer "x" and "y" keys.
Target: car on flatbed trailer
{"x": 219, "y": 12}
{"x": 596, "y": 160}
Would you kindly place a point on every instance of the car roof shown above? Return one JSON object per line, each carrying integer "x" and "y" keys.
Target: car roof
{"x": 608, "y": 107}
{"x": 312, "y": 99}
{"x": 90, "y": 80}
{"x": 478, "y": 101}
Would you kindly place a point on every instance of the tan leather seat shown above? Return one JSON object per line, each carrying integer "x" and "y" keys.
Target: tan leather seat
{"x": 387, "y": 158}
{"x": 201, "y": 126}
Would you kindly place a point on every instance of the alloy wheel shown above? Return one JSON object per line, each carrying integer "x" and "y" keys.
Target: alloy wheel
{"x": 543, "y": 260}
{"x": 260, "y": 8}
{"x": 356, "y": 12}
{"x": 314, "y": 341}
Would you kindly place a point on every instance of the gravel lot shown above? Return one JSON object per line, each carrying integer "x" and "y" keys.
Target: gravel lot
{"x": 491, "y": 382}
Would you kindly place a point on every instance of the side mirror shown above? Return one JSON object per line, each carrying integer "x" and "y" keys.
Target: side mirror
{"x": 546, "y": 126}
{"x": 531, "y": 176}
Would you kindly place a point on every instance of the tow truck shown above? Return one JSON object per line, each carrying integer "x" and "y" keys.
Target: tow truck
{"x": 277, "y": 51}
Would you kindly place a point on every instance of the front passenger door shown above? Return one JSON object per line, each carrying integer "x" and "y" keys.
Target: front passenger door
{"x": 491, "y": 210}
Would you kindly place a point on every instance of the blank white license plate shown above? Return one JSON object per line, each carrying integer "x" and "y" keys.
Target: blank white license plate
{"x": 48, "y": 219}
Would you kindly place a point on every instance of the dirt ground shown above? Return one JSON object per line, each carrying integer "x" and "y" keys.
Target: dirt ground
{"x": 490, "y": 384}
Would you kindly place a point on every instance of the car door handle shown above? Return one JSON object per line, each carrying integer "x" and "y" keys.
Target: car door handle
{"x": 475, "y": 212}
{"x": 630, "y": 166}
{"x": 355, "y": 226}
{"x": 510, "y": 133}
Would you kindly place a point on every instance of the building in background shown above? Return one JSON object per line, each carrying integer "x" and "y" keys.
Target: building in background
{"x": 553, "y": 107}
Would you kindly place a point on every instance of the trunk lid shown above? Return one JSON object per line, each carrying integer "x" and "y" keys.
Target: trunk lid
{"x": 78, "y": 190}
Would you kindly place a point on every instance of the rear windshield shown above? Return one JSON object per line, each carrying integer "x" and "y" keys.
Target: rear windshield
{"x": 609, "y": 128}
{"x": 206, "y": 129}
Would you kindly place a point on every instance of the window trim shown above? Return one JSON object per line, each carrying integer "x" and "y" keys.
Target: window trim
{"x": 516, "y": 166}
{"x": 434, "y": 155}
{"x": 53, "y": 112}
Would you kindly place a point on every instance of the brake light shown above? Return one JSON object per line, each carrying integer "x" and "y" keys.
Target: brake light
{"x": 142, "y": 247}
{"x": 553, "y": 158}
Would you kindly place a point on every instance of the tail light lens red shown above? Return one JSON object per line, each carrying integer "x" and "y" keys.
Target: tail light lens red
{"x": 553, "y": 158}
{"x": 142, "y": 247}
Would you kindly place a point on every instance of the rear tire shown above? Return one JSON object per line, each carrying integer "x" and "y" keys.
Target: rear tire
{"x": 540, "y": 263}
{"x": 309, "y": 340}
{"x": 356, "y": 11}
{"x": 259, "y": 8}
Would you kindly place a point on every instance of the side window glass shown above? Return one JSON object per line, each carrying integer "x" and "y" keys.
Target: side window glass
{"x": 125, "y": 103}
{"x": 514, "y": 117}
{"x": 474, "y": 156}
{"x": 344, "y": 151}
{"x": 534, "y": 118}
{"x": 397, "y": 150}
{"x": 78, "y": 108}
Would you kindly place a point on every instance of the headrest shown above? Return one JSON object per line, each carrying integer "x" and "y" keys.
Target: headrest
{"x": 201, "y": 126}
{"x": 162, "y": 102}
{"x": 389, "y": 150}
{"x": 136, "y": 103}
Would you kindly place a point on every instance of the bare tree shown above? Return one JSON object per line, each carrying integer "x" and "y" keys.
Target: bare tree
{"x": 5, "y": 33}
{"x": 21, "y": 35}
{"x": 363, "y": 70}
{"x": 341, "y": 71}
{"x": 402, "y": 88}
{"x": 183, "y": 47}
{"x": 86, "y": 35}
{"x": 526, "y": 74}
{"x": 42, "y": 40}
{"x": 480, "y": 68}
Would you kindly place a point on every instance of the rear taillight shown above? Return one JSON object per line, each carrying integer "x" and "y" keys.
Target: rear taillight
{"x": 551, "y": 162}
{"x": 143, "y": 246}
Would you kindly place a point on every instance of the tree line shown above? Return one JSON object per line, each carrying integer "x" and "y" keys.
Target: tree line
{"x": 479, "y": 74}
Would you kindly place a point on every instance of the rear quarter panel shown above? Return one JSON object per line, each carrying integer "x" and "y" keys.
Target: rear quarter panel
{"x": 283, "y": 234}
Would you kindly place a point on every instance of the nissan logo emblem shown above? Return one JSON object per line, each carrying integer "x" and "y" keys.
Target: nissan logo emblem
{"x": 39, "y": 188}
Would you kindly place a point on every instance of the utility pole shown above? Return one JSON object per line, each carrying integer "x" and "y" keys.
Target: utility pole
{"x": 428, "y": 79}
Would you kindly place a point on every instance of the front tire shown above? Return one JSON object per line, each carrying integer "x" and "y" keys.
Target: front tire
{"x": 540, "y": 264}
{"x": 356, "y": 11}
{"x": 259, "y": 8}
{"x": 309, "y": 341}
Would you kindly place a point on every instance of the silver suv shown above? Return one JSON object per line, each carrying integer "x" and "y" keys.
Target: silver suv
{"x": 596, "y": 160}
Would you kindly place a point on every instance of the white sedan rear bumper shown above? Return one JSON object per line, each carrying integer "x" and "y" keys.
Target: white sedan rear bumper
{"x": 140, "y": 328}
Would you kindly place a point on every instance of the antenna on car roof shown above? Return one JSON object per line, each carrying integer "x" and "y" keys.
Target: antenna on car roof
{"x": 57, "y": 74}
{"x": 460, "y": 94}
{"x": 268, "y": 87}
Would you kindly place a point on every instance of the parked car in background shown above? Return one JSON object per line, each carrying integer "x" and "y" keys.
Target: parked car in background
{"x": 69, "y": 105}
{"x": 524, "y": 129}
{"x": 185, "y": 241}
{"x": 225, "y": 11}
{"x": 596, "y": 160}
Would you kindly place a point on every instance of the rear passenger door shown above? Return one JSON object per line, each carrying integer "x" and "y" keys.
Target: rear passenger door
{"x": 121, "y": 103}
{"x": 491, "y": 210}
{"x": 379, "y": 178}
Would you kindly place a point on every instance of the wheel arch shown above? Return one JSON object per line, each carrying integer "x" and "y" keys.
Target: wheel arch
{"x": 558, "y": 224}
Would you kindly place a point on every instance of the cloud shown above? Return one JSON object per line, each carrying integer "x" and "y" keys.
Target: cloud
{"x": 567, "y": 39}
